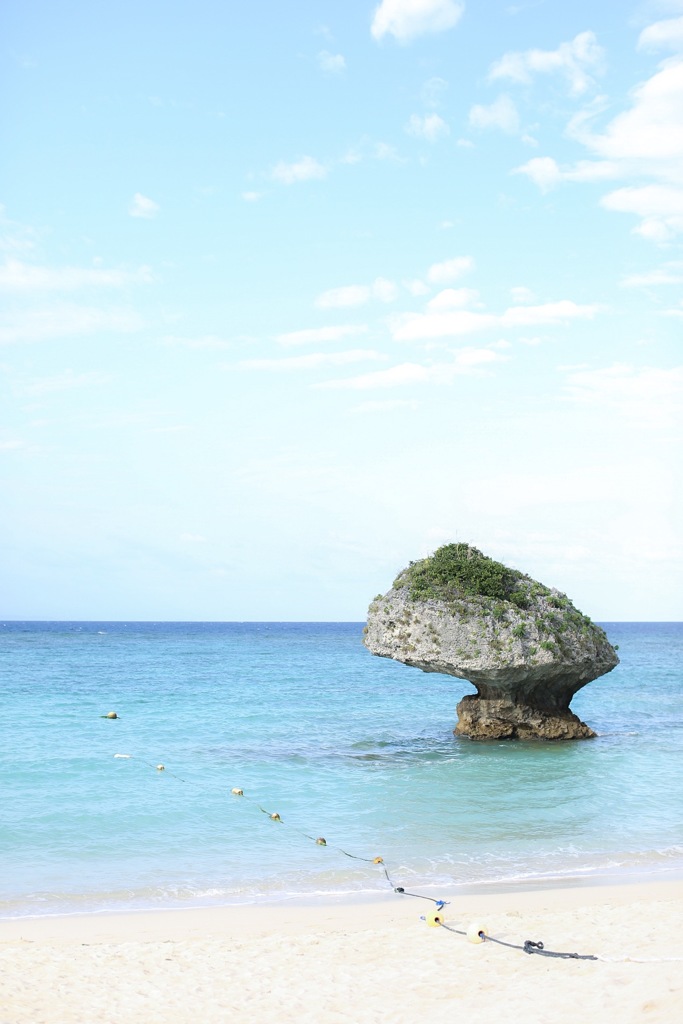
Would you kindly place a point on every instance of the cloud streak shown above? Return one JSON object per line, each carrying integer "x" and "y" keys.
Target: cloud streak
{"x": 502, "y": 114}
{"x": 307, "y": 168}
{"x": 17, "y": 276}
{"x": 643, "y": 142}
{"x": 431, "y": 127}
{"x": 143, "y": 206}
{"x": 407, "y": 19}
{"x": 312, "y": 361}
{"x": 573, "y": 60}
{"x": 352, "y": 295}
{"x": 437, "y": 323}
{"x": 60, "y": 321}
{"x": 315, "y": 335}
{"x": 466, "y": 361}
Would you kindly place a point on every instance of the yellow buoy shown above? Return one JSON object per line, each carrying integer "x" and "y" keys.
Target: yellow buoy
{"x": 237, "y": 792}
{"x": 434, "y": 918}
{"x": 321, "y": 842}
{"x": 476, "y": 933}
{"x": 378, "y": 860}
{"x": 276, "y": 816}
{"x": 111, "y": 714}
{"x": 161, "y": 767}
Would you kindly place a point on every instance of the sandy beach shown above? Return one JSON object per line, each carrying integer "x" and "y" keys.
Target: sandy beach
{"x": 355, "y": 962}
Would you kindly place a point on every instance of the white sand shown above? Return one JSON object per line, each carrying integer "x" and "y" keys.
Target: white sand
{"x": 354, "y": 963}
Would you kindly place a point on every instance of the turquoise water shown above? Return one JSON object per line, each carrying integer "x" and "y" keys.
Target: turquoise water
{"x": 341, "y": 744}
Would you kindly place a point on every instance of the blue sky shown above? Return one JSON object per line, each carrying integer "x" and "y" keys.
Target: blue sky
{"x": 294, "y": 293}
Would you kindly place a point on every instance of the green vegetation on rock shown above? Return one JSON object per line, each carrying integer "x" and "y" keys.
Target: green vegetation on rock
{"x": 458, "y": 569}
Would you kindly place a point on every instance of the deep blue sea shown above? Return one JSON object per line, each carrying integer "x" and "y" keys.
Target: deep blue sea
{"x": 342, "y": 745}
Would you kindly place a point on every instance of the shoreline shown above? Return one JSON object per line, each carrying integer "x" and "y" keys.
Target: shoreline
{"x": 575, "y": 882}
{"x": 362, "y": 962}
{"x": 352, "y": 909}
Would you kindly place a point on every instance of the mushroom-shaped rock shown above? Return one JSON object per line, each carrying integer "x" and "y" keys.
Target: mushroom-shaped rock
{"x": 524, "y": 646}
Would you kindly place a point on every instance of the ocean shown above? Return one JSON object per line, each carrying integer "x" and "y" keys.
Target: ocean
{"x": 341, "y": 745}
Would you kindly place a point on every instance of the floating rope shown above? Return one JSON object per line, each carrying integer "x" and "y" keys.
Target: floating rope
{"x": 157, "y": 767}
{"x": 474, "y": 933}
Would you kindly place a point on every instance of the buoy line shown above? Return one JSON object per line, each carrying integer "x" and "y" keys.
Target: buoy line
{"x": 277, "y": 818}
{"x": 475, "y": 933}
{"x": 157, "y": 767}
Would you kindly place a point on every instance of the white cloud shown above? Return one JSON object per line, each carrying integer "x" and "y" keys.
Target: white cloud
{"x": 342, "y": 298}
{"x": 453, "y": 298}
{"x": 668, "y": 273}
{"x": 60, "y": 321}
{"x": 313, "y": 360}
{"x": 315, "y": 335}
{"x": 547, "y": 174}
{"x": 386, "y": 405}
{"x": 251, "y": 197}
{"x": 384, "y": 290}
{"x": 65, "y": 381}
{"x": 331, "y": 63}
{"x": 465, "y": 361}
{"x": 458, "y": 322}
{"x": 522, "y": 295}
{"x": 548, "y": 313}
{"x": 406, "y": 19}
{"x": 573, "y": 60}
{"x": 143, "y": 206}
{"x": 543, "y": 171}
{"x": 502, "y": 113}
{"x": 203, "y": 341}
{"x": 449, "y": 270}
{"x": 644, "y": 142}
{"x": 422, "y": 326}
{"x": 430, "y": 127}
{"x": 663, "y": 35}
{"x": 433, "y": 90}
{"x": 659, "y": 206}
{"x": 15, "y": 238}
{"x": 385, "y": 151}
{"x": 650, "y": 134}
{"x": 650, "y": 394}
{"x": 397, "y": 376}
{"x": 305, "y": 169}
{"x": 416, "y": 287}
{"x": 17, "y": 276}
{"x": 357, "y": 294}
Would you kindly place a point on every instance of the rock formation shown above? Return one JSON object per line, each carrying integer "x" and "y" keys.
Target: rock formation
{"x": 524, "y": 646}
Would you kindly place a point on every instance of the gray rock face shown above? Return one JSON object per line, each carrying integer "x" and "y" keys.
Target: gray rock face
{"x": 526, "y": 653}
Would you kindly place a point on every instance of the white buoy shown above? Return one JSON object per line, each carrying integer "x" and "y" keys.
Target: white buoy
{"x": 161, "y": 767}
{"x": 476, "y": 933}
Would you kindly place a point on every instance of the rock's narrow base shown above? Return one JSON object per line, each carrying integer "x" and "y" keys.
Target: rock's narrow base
{"x": 502, "y": 720}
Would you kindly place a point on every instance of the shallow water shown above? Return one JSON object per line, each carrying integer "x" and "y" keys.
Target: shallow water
{"x": 342, "y": 745}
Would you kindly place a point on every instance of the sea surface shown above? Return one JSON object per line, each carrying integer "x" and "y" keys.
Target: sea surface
{"x": 342, "y": 745}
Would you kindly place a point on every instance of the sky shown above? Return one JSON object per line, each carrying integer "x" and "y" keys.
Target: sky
{"x": 293, "y": 293}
